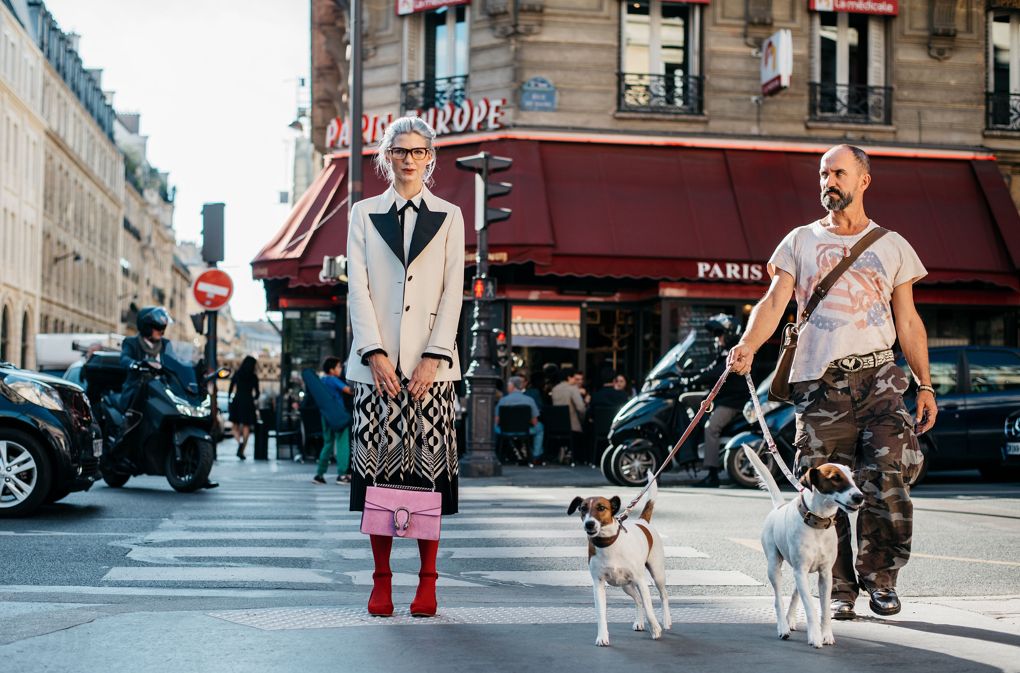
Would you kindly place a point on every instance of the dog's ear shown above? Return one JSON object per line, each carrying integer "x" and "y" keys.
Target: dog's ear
{"x": 614, "y": 503}
{"x": 574, "y": 504}
{"x": 808, "y": 479}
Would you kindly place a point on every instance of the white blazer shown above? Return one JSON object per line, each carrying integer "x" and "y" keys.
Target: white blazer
{"x": 405, "y": 309}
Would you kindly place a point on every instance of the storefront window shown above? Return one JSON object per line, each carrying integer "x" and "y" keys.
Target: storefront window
{"x": 308, "y": 338}
{"x": 659, "y": 69}
{"x": 848, "y": 64}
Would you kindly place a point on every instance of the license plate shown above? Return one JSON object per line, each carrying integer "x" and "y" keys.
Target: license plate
{"x": 97, "y": 447}
{"x": 1013, "y": 448}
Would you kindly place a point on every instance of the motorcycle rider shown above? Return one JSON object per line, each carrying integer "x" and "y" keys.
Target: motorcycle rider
{"x": 150, "y": 348}
{"x": 731, "y": 397}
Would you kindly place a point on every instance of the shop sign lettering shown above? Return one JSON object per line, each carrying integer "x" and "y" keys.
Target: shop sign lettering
{"x": 730, "y": 271}
{"x": 483, "y": 114}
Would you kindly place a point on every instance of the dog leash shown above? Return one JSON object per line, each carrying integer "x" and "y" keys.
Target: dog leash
{"x": 705, "y": 404}
{"x": 769, "y": 442}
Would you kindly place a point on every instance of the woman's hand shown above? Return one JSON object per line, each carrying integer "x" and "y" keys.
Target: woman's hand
{"x": 424, "y": 375}
{"x": 384, "y": 375}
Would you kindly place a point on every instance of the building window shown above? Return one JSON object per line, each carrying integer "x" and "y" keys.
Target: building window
{"x": 848, "y": 69}
{"x": 444, "y": 79}
{"x": 659, "y": 69}
{"x": 1003, "y": 100}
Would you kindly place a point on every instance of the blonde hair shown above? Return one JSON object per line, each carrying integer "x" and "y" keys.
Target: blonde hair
{"x": 404, "y": 125}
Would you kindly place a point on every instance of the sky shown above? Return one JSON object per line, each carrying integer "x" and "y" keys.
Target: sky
{"x": 216, "y": 86}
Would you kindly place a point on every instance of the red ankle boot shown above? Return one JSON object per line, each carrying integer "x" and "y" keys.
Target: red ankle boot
{"x": 380, "y": 603}
{"x": 424, "y": 603}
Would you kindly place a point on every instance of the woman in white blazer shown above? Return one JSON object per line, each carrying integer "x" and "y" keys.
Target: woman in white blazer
{"x": 405, "y": 269}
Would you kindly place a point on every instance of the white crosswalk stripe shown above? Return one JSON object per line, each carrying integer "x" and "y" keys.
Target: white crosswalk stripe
{"x": 286, "y": 537}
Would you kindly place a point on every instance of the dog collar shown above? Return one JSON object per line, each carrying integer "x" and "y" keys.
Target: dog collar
{"x": 812, "y": 519}
{"x": 602, "y": 542}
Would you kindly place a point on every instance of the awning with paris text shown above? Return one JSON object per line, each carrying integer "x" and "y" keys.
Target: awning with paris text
{"x": 670, "y": 212}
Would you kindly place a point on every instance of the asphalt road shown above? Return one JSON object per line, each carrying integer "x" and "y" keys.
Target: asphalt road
{"x": 270, "y": 556}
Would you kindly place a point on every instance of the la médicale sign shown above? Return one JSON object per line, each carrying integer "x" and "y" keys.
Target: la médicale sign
{"x": 880, "y": 7}
{"x": 482, "y": 114}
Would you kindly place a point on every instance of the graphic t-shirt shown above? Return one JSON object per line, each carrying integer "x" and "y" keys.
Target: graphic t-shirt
{"x": 855, "y": 318}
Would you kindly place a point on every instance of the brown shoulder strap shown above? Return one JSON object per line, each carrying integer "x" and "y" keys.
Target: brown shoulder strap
{"x": 830, "y": 279}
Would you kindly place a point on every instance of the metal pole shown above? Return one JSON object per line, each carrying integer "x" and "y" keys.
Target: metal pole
{"x": 480, "y": 459}
{"x": 354, "y": 183}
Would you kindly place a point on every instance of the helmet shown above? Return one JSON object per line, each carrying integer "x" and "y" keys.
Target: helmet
{"x": 152, "y": 317}
{"x": 725, "y": 326}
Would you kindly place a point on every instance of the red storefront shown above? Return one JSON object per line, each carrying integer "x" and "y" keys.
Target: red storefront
{"x": 636, "y": 239}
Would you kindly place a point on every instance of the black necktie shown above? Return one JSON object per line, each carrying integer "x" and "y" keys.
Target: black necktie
{"x": 402, "y": 210}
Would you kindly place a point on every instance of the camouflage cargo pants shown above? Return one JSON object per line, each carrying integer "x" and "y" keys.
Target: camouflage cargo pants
{"x": 859, "y": 419}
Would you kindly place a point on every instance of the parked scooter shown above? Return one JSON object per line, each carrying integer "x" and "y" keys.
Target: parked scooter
{"x": 779, "y": 417}
{"x": 645, "y": 430}
{"x": 172, "y": 437}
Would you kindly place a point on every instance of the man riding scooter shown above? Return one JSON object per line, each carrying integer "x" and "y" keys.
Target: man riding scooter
{"x": 728, "y": 404}
{"x": 148, "y": 349}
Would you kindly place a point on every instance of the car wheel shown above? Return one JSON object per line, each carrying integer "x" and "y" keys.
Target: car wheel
{"x": 631, "y": 464}
{"x": 191, "y": 472}
{"x": 25, "y": 474}
{"x": 740, "y": 469}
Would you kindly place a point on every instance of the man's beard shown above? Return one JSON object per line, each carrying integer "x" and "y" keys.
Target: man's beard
{"x": 834, "y": 200}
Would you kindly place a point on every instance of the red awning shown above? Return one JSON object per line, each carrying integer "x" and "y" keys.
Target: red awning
{"x": 669, "y": 213}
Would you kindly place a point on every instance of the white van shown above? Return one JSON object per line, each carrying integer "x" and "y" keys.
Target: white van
{"x": 54, "y": 353}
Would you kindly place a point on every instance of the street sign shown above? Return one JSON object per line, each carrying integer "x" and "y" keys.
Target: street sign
{"x": 213, "y": 289}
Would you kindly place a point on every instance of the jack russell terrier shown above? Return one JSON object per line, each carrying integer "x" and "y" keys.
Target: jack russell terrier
{"x": 804, "y": 535}
{"x": 619, "y": 554}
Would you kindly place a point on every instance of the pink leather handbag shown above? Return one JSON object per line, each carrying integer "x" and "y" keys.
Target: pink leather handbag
{"x": 401, "y": 511}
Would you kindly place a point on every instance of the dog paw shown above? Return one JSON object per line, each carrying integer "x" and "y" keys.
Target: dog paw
{"x": 784, "y": 634}
{"x": 639, "y": 626}
{"x": 816, "y": 642}
{"x": 667, "y": 624}
{"x": 602, "y": 641}
{"x": 793, "y": 624}
{"x": 656, "y": 632}
{"x": 828, "y": 639}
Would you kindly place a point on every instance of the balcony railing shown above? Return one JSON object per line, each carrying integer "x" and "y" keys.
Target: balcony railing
{"x": 851, "y": 103}
{"x": 1003, "y": 111}
{"x": 672, "y": 94}
{"x": 432, "y": 93}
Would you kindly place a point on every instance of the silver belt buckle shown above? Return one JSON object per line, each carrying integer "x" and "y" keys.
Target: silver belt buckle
{"x": 852, "y": 363}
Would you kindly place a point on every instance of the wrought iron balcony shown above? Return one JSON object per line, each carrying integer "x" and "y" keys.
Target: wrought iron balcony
{"x": 851, "y": 103}
{"x": 673, "y": 94}
{"x": 1003, "y": 111}
{"x": 432, "y": 93}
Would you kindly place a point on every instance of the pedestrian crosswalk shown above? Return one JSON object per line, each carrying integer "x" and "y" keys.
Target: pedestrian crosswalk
{"x": 301, "y": 536}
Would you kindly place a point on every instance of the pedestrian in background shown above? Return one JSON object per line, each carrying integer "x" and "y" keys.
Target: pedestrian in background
{"x": 407, "y": 245}
{"x": 336, "y": 442}
{"x": 570, "y": 394}
{"x": 244, "y": 388}
{"x": 845, "y": 384}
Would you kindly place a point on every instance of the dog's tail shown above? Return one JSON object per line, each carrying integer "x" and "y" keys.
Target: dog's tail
{"x": 765, "y": 480}
{"x": 649, "y": 499}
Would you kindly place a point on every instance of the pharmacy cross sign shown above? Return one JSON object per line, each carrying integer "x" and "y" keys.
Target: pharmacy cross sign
{"x": 213, "y": 289}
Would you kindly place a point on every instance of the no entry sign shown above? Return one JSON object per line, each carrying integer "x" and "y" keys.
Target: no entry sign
{"x": 213, "y": 289}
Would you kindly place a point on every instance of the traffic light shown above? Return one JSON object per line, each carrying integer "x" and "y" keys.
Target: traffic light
{"x": 482, "y": 164}
{"x": 502, "y": 348}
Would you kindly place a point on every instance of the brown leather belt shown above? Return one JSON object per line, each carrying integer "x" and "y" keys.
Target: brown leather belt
{"x": 855, "y": 363}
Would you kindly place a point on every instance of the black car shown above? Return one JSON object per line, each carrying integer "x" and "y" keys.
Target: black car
{"x": 1011, "y": 447}
{"x": 977, "y": 388}
{"x": 49, "y": 441}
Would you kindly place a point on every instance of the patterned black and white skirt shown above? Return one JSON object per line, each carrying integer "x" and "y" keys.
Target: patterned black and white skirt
{"x": 392, "y": 443}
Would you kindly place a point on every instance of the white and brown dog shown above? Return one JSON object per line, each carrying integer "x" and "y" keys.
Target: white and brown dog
{"x": 619, "y": 554}
{"x": 805, "y": 536}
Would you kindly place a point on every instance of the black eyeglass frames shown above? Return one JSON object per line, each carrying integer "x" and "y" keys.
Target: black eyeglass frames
{"x": 401, "y": 153}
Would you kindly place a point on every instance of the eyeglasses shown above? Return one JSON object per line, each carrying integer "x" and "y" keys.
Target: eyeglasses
{"x": 401, "y": 153}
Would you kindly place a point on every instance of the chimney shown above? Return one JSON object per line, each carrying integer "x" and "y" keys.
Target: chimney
{"x": 73, "y": 39}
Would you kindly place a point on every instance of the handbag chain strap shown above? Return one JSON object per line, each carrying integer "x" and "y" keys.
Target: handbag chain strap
{"x": 823, "y": 287}
{"x": 383, "y": 441}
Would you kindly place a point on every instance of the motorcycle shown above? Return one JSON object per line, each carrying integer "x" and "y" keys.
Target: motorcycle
{"x": 645, "y": 430}
{"x": 172, "y": 437}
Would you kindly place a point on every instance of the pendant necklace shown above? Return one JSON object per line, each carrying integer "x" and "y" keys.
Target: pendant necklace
{"x": 839, "y": 239}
